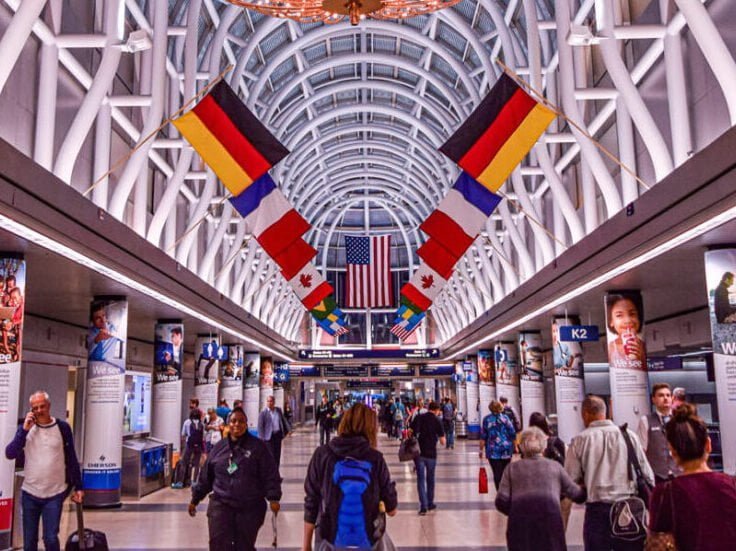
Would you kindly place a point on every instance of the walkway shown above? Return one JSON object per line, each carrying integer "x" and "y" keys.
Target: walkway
{"x": 463, "y": 521}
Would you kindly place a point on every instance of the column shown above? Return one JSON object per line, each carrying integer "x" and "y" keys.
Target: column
{"x": 266, "y": 381}
{"x": 567, "y": 359}
{"x": 251, "y": 391}
{"x": 231, "y": 375}
{"x": 471, "y": 396}
{"x": 627, "y": 357}
{"x": 487, "y": 381}
{"x": 462, "y": 404}
{"x": 280, "y": 378}
{"x": 168, "y": 363}
{"x": 531, "y": 375}
{"x": 13, "y": 292}
{"x": 103, "y": 407}
{"x": 507, "y": 375}
{"x": 207, "y": 351}
{"x": 720, "y": 267}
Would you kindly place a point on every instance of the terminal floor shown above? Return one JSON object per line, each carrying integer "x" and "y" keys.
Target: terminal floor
{"x": 464, "y": 520}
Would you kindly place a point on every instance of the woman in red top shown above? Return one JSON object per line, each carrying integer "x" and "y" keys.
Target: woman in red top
{"x": 699, "y": 506}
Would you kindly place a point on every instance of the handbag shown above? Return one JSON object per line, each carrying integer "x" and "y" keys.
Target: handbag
{"x": 663, "y": 541}
{"x": 629, "y": 516}
{"x": 409, "y": 449}
{"x": 482, "y": 481}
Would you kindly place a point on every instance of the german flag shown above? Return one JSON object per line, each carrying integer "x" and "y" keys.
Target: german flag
{"x": 230, "y": 139}
{"x": 498, "y": 134}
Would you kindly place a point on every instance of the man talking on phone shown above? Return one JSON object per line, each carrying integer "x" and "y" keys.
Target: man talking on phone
{"x": 41, "y": 444}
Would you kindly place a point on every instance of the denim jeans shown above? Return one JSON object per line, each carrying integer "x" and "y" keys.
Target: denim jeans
{"x": 597, "y": 530}
{"x": 449, "y": 427}
{"x": 425, "y": 481}
{"x": 324, "y": 434}
{"x": 35, "y": 509}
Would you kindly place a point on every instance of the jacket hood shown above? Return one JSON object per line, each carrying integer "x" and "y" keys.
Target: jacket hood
{"x": 353, "y": 446}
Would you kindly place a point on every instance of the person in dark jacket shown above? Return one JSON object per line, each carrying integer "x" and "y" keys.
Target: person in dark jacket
{"x": 555, "y": 449}
{"x": 241, "y": 475}
{"x": 530, "y": 494}
{"x": 325, "y": 413}
{"x": 355, "y": 443}
{"x": 41, "y": 444}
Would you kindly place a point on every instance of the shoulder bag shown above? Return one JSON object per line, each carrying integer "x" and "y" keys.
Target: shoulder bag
{"x": 629, "y": 516}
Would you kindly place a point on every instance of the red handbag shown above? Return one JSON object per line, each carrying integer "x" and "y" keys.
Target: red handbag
{"x": 482, "y": 481}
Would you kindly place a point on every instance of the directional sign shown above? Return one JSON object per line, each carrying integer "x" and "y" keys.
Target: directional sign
{"x": 579, "y": 333}
{"x": 381, "y": 353}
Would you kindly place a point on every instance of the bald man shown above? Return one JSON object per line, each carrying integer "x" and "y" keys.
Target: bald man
{"x": 598, "y": 459}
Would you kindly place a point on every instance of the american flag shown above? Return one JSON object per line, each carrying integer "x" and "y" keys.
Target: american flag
{"x": 368, "y": 282}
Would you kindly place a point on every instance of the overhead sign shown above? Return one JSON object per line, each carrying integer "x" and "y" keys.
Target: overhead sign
{"x": 579, "y": 333}
{"x": 281, "y": 373}
{"x": 392, "y": 371}
{"x": 436, "y": 370}
{"x": 394, "y": 353}
{"x": 369, "y": 384}
{"x": 663, "y": 364}
{"x": 345, "y": 371}
{"x": 303, "y": 370}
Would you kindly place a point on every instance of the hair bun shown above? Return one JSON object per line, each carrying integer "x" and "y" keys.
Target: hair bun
{"x": 684, "y": 412}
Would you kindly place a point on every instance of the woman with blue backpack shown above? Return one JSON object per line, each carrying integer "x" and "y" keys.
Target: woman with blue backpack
{"x": 348, "y": 486}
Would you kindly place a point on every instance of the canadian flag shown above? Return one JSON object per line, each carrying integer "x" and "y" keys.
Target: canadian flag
{"x": 310, "y": 286}
{"x": 424, "y": 286}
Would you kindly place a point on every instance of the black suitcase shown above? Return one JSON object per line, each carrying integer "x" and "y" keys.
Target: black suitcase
{"x": 90, "y": 541}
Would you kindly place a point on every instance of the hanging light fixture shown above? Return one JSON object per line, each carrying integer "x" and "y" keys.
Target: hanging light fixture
{"x": 333, "y": 11}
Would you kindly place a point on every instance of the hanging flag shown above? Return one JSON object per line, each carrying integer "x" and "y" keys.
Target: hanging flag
{"x": 294, "y": 257}
{"x": 437, "y": 257}
{"x": 310, "y": 286}
{"x": 498, "y": 134}
{"x": 423, "y": 287}
{"x": 407, "y": 325}
{"x": 230, "y": 139}
{"x": 368, "y": 283}
{"x": 250, "y": 199}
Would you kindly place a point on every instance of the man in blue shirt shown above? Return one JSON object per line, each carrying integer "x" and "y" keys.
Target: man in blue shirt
{"x": 273, "y": 428}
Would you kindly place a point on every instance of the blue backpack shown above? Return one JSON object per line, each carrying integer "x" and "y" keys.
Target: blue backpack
{"x": 351, "y": 479}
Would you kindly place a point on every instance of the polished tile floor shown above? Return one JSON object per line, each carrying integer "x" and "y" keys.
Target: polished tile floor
{"x": 464, "y": 520}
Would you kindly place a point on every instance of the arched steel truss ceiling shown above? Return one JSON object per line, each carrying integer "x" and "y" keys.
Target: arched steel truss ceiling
{"x": 364, "y": 110}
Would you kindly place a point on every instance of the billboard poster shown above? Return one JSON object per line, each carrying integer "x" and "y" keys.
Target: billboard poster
{"x": 208, "y": 353}
{"x": 231, "y": 374}
{"x": 472, "y": 398}
{"x": 531, "y": 362}
{"x": 103, "y": 408}
{"x": 459, "y": 377}
{"x": 251, "y": 389}
{"x": 168, "y": 363}
{"x": 265, "y": 381}
{"x": 627, "y": 356}
{"x": 12, "y": 305}
{"x": 486, "y": 380}
{"x": 507, "y": 375}
{"x": 720, "y": 267}
{"x": 567, "y": 361}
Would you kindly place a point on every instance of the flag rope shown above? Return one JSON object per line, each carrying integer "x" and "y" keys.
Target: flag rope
{"x": 580, "y": 129}
{"x": 529, "y": 216}
{"x": 197, "y": 223}
{"x": 171, "y": 117}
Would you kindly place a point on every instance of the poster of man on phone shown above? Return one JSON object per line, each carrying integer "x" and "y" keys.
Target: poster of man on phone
{"x": 624, "y": 325}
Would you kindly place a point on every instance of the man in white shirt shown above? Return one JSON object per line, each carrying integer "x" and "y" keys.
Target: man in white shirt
{"x": 41, "y": 445}
{"x": 653, "y": 439}
{"x": 598, "y": 458}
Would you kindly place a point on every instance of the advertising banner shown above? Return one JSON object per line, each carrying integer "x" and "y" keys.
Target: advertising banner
{"x": 168, "y": 363}
{"x": 507, "y": 375}
{"x": 252, "y": 391}
{"x": 462, "y": 404}
{"x": 486, "y": 380}
{"x": 531, "y": 377}
{"x": 278, "y": 396}
{"x": 12, "y": 300}
{"x": 720, "y": 267}
{"x": 627, "y": 357}
{"x": 231, "y": 375}
{"x": 567, "y": 360}
{"x": 265, "y": 381}
{"x": 208, "y": 353}
{"x": 103, "y": 408}
{"x": 471, "y": 395}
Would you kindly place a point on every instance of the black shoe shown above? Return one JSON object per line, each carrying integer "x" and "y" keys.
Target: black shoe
{"x": 422, "y": 512}
{"x": 432, "y": 507}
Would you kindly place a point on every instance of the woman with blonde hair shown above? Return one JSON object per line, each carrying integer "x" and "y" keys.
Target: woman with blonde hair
{"x": 346, "y": 481}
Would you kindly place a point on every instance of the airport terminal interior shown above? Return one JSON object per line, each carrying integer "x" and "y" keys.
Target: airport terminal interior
{"x": 369, "y": 202}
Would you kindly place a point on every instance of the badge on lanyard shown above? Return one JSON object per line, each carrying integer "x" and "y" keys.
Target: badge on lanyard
{"x": 232, "y": 467}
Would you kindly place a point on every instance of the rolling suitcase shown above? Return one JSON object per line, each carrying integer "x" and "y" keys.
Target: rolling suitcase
{"x": 89, "y": 540}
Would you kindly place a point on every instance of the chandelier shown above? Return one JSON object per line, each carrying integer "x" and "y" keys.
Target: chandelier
{"x": 333, "y": 11}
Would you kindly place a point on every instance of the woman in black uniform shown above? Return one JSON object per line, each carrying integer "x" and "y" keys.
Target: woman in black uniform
{"x": 241, "y": 474}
